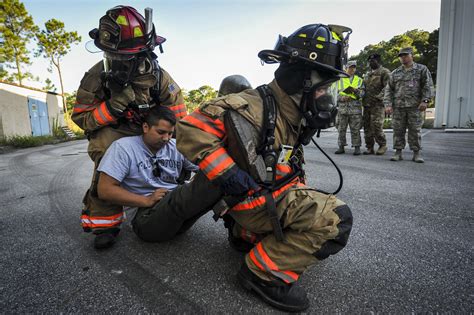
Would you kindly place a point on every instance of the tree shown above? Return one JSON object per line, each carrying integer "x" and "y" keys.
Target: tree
{"x": 54, "y": 43}
{"x": 194, "y": 98}
{"x": 425, "y": 50}
{"x": 49, "y": 86}
{"x": 16, "y": 30}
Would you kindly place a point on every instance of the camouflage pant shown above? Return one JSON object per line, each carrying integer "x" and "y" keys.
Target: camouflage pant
{"x": 315, "y": 226}
{"x": 373, "y": 126}
{"x": 402, "y": 119}
{"x": 355, "y": 124}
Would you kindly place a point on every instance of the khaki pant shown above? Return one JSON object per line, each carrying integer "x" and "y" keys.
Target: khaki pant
{"x": 99, "y": 215}
{"x": 373, "y": 126}
{"x": 315, "y": 226}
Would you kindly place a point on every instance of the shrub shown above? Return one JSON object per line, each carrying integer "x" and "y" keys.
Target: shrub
{"x": 387, "y": 123}
{"x": 28, "y": 141}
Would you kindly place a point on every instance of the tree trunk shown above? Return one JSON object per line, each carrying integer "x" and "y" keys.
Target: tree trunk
{"x": 62, "y": 86}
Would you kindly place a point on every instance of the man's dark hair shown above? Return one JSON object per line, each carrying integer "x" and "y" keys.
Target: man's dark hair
{"x": 160, "y": 112}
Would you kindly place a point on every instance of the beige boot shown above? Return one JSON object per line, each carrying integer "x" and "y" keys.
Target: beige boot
{"x": 369, "y": 151}
{"x": 340, "y": 150}
{"x": 397, "y": 156}
{"x": 417, "y": 157}
{"x": 382, "y": 149}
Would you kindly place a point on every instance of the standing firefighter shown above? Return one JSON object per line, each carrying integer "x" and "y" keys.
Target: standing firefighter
{"x": 375, "y": 81}
{"x": 114, "y": 97}
{"x": 249, "y": 144}
{"x": 407, "y": 95}
{"x": 349, "y": 109}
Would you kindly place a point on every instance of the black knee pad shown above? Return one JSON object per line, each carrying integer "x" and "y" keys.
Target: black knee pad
{"x": 333, "y": 246}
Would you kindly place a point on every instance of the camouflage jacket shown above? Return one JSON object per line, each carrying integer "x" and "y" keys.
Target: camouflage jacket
{"x": 407, "y": 88}
{"x": 91, "y": 111}
{"x": 374, "y": 84}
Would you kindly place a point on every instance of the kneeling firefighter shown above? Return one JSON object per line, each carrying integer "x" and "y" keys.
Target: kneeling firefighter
{"x": 249, "y": 144}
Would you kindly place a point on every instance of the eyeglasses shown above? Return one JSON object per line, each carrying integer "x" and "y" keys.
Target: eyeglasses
{"x": 156, "y": 168}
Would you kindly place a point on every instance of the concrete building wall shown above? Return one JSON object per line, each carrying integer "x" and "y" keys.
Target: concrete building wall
{"x": 14, "y": 112}
{"x": 455, "y": 80}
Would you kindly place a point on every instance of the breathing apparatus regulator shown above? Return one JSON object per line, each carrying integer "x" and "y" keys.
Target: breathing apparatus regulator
{"x": 311, "y": 61}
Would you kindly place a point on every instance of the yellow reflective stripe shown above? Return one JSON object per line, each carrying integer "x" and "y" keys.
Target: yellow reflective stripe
{"x": 121, "y": 20}
{"x": 319, "y": 46}
{"x": 334, "y": 34}
{"x": 137, "y": 31}
{"x": 302, "y": 35}
{"x": 321, "y": 39}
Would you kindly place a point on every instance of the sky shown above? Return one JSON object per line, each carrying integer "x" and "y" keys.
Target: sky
{"x": 210, "y": 39}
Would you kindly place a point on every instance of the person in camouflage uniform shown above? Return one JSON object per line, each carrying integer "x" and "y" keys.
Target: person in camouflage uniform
{"x": 407, "y": 94}
{"x": 349, "y": 109}
{"x": 375, "y": 81}
{"x": 112, "y": 99}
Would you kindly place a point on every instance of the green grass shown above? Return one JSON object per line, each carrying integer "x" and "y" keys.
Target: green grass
{"x": 28, "y": 141}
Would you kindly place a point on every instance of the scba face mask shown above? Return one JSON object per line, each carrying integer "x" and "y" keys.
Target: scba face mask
{"x": 120, "y": 70}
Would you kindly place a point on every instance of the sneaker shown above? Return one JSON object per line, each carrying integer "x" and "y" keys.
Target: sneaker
{"x": 286, "y": 297}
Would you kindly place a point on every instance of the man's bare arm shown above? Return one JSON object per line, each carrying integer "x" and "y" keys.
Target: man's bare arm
{"x": 109, "y": 189}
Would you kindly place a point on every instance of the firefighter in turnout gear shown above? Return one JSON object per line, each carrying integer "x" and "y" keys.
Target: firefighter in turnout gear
{"x": 114, "y": 97}
{"x": 248, "y": 144}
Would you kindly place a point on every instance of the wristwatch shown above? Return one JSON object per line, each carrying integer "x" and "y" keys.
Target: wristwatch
{"x": 426, "y": 101}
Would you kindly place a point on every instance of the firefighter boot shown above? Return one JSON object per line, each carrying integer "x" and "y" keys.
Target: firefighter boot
{"x": 287, "y": 297}
{"x": 105, "y": 239}
{"x": 356, "y": 151}
{"x": 369, "y": 151}
{"x": 397, "y": 156}
{"x": 340, "y": 150}
{"x": 382, "y": 149}
{"x": 417, "y": 157}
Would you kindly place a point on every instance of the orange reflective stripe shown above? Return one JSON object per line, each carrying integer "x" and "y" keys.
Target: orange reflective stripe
{"x": 252, "y": 203}
{"x": 282, "y": 171}
{"x": 179, "y": 110}
{"x": 96, "y": 222}
{"x": 254, "y": 260}
{"x": 215, "y": 163}
{"x": 102, "y": 114}
{"x": 269, "y": 266}
{"x": 79, "y": 108}
{"x": 205, "y": 123}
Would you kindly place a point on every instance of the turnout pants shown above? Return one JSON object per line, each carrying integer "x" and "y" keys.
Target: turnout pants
{"x": 402, "y": 119}
{"x": 373, "y": 118}
{"x": 354, "y": 121}
{"x": 100, "y": 216}
{"x": 315, "y": 226}
{"x": 177, "y": 211}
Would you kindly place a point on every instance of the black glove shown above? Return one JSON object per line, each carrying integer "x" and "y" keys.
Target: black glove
{"x": 238, "y": 182}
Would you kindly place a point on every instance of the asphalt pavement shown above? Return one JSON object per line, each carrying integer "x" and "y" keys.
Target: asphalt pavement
{"x": 410, "y": 251}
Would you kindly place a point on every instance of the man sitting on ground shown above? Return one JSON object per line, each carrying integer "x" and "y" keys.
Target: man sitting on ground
{"x": 143, "y": 171}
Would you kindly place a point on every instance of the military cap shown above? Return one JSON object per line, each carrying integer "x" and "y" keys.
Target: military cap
{"x": 374, "y": 56}
{"x": 406, "y": 50}
{"x": 351, "y": 63}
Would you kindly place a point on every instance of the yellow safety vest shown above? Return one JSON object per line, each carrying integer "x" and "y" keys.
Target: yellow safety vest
{"x": 344, "y": 83}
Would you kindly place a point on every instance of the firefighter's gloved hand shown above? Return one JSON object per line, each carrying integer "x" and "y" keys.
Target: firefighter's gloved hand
{"x": 238, "y": 183}
{"x": 119, "y": 101}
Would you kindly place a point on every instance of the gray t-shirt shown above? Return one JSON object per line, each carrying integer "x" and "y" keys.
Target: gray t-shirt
{"x": 129, "y": 161}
